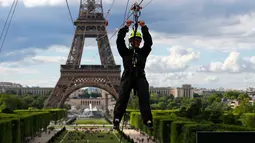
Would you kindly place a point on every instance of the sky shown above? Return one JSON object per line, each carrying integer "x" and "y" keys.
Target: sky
{"x": 205, "y": 43}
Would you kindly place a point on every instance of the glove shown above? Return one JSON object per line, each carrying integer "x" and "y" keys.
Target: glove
{"x": 141, "y": 23}
{"x": 129, "y": 22}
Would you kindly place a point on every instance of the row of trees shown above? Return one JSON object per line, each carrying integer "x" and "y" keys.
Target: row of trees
{"x": 201, "y": 107}
{"x": 214, "y": 100}
{"x": 21, "y": 101}
{"x": 12, "y": 102}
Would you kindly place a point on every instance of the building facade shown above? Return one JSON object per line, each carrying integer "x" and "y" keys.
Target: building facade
{"x": 106, "y": 102}
{"x": 28, "y": 90}
{"x": 185, "y": 91}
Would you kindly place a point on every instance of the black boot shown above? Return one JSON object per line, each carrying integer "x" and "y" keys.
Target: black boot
{"x": 149, "y": 125}
{"x": 116, "y": 124}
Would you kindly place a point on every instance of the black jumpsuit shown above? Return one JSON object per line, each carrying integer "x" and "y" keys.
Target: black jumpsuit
{"x": 134, "y": 77}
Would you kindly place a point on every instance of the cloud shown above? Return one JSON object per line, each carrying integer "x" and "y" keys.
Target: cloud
{"x": 6, "y": 71}
{"x": 31, "y": 53}
{"x": 168, "y": 79}
{"x": 211, "y": 79}
{"x": 207, "y": 26}
{"x": 41, "y": 3}
{"x": 194, "y": 34}
{"x": 36, "y": 56}
{"x": 59, "y": 48}
{"x": 234, "y": 63}
{"x": 178, "y": 60}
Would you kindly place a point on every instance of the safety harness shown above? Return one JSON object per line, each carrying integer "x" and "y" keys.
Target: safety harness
{"x": 136, "y": 14}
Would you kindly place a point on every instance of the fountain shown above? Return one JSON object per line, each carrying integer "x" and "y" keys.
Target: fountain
{"x": 91, "y": 113}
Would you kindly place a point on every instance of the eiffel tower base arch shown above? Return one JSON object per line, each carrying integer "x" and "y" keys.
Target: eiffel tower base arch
{"x": 98, "y": 76}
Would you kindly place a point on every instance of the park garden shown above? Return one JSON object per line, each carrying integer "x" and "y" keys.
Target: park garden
{"x": 176, "y": 120}
{"x": 180, "y": 123}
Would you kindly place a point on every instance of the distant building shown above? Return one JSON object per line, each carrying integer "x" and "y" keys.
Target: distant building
{"x": 99, "y": 102}
{"x": 185, "y": 91}
{"x": 9, "y": 84}
{"x": 160, "y": 90}
{"x": 33, "y": 91}
{"x": 76, "y": 93}
{"x": 94, "y": 90}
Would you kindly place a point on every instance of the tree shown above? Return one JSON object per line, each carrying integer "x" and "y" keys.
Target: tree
{"x": 153, "y": 98}
{"x": 196, "y": 95}
{"x": 163, "y": 99}
{"x": 171, "y": 105}
{"x": 194, "y": 109}
{"x": 13, "y": 92}
{"x": 243, "y": 96}
{"x": 231, "y": 94}
{"x": 9, "y": 102}
{"x": 162, "y": 105}
{"x": 245, "y": 107}
{"x": 171, "y": 96}
{"x": 133, "y": 102}
{"x": 154, "y": 106}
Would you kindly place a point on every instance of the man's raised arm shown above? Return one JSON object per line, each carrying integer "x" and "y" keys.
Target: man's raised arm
{"x": 121, "y": 45}
{"x": 147, "y": 39}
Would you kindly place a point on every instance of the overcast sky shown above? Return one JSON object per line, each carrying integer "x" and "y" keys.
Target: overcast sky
{"x": 206, "y": 43}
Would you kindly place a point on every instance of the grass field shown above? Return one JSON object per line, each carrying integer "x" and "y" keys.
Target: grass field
{"x": 81, "y": 137}
{"x": 91, "y": 121}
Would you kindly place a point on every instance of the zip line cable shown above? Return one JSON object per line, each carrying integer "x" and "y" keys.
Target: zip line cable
{"x": 108, "y": 12}
{"x": 125, "y": 14}
{"x": 129, "y": 17}
{"x": 70, "y": 14}
{"x": 126, "y": 18}
{"x": 15, "y": 6}
{"x": 147, "y": 3}
{"x": 7, "y": 19}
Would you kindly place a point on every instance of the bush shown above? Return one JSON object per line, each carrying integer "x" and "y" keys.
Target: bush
{"x": 230, "y": 118}
{"x": 177, "y": 131}
{"x": 171, "y": 128}
{"x": 24, "y": 123}
{"x": 248, "y": 120}
{"x": 7, "y": 110}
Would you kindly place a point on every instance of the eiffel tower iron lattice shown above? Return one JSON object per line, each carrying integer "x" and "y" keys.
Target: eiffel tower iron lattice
{"x": 90, "y": 24}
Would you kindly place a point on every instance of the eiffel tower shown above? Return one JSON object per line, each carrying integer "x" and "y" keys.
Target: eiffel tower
{"x": 90, "y": 24}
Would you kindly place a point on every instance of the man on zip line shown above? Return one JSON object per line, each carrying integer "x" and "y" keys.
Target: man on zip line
{"x": 134, "y": 61}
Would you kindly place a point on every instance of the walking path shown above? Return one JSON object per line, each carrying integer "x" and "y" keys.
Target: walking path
{"x": 45, "y": 137}
{"x": 138, "y": 137}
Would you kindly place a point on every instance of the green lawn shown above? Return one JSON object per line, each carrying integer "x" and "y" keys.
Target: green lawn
{"x": 91, "y": 121}
{"x": 71, "y": 127}
{"x": 81, "y": 137}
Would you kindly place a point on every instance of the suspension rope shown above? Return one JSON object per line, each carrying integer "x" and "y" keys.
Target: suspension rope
{"x": 70, "y": 14}
{"x": 147, "y": 3}
{"x": 108, "y": 12}
{"x": 125, "y": 14}
{"x": 15, "y": 6}
{"x": 7, "y": 19}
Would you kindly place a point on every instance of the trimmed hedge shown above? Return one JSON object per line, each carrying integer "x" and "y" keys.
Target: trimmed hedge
{"x": 56, "y": 114}
{"x": 25, "y": 123}
{"x": 248, "y": 120}
{"x": 232, "y": 119}
{"x": 5, "y": 131}
{"x": 177, "y": 131}
{"x": 159, "y": 124}
{"x": 174, "y": 129}
{"x": 156, "y": 112}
